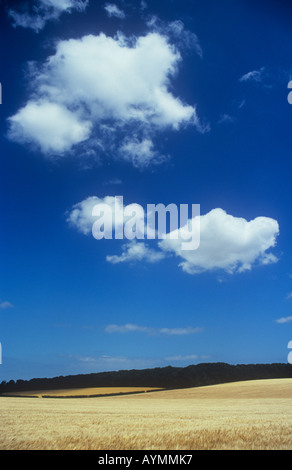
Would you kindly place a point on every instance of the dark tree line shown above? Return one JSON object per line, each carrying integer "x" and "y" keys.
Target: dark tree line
{"x": 165, "y": 377}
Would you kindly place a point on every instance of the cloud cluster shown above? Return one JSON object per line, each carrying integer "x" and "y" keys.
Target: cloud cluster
{"x": 114, "y": 92}
{"x": 228, "y": 243}
{"x": 44, "y": 11}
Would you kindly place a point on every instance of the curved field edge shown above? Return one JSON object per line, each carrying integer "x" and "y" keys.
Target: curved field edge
{"x": 254, "y": 415}
{"x": 81, "y": 392}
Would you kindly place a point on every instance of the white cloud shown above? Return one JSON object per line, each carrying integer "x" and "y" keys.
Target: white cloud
{"x": 226, "y": 119}
{"x": 116, "y": 216}
{"x": 5, "y": 304}
{"x": 284, "y": 320}
{"x": 49, "y": 126}
{"x": 108, "y": 88}
{"x": 179, "y": 358}
{"x": 176, "y": 29}
{"x": 136, "y": 251}
{"x": 113, "y": 10}
{"x": 254, "y": 75}
{"x": 141, "y": 154}
{"x": 44, "y": 11}
{"x": 80, "y": 216}
{"x": 132, "y": 328}
{"x": 229, "y": 243}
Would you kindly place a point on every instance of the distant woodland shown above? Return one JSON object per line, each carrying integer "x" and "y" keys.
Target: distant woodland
{"x": 165, "y": 377}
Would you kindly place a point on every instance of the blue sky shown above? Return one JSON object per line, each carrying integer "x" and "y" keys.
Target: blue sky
{"x": 180, "y": 102}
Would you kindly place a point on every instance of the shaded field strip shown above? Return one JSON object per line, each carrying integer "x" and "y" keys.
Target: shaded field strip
{"x": 98, "y": 395}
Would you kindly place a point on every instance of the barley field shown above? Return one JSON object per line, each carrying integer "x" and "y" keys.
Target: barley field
{"x": 253, "y": 415}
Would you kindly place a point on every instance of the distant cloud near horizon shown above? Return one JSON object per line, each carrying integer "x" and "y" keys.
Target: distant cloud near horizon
{"x": 130, "y": 328}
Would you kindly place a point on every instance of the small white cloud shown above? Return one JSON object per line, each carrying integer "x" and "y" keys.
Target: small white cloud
{"x": 140, "y": 154}
{"x": 226, "y": 119}
{"x": 130, "y": 328}
{"x": 254, "y": 75}
{"x": 137, "y": 251}
{"x": 114, "y": 10}
{"x": 180, "y": 358}
{"x": 5, "y": 304}
{"x": 49, "y": 126}
{"x": 284, "y": 320}
{"x": 80, "y": 216}
{"x": 44, "y": 11}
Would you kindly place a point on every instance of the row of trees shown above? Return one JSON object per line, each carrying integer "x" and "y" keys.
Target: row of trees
{"x": 165, "y": 377}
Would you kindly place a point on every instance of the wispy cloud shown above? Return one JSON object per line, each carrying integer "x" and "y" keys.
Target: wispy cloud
{"x": 113, "y": 10}
{"x": 132, "y": 328}
{"x": 253, "y": 76}
{"x": 43, "y": 11}
{"x": 5, "y": 305}
{"x": 107, "y": 362}
{"x": 284, "y": 320}
{"x": 226, "y": 119}
{"x": 135, "y": 251}
{"x": 176, "y": 29}
{"x": 179, "y": 358}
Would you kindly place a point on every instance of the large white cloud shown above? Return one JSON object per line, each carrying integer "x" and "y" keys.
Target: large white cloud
{"x": 228, "y": 243}
{"x": 44, "y": 11}
{"x": 119, "y": 88}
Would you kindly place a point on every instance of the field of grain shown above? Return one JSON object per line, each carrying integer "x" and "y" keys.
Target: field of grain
{"x": 255, "y": 415}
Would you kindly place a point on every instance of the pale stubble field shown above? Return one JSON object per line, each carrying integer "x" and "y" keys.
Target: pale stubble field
{"x": 255, "y": 415}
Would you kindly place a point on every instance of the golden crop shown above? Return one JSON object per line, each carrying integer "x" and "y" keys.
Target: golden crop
{"x": 244, "y": 415}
